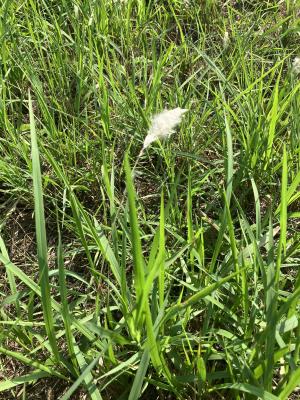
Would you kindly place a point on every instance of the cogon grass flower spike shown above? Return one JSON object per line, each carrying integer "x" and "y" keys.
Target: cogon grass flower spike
{"x": 296, "y": 66}
{"x": 163, "y": 124}
{"x": 226, "y": 40}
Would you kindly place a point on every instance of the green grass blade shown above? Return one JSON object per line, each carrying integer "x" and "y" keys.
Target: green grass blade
{"x": 232, "y": 238}
{"x": 161, "y": 253}
{"x": 198, "y": 296}
{"x": 85, "y": 377}
{"x": 229, "y": 160}
{"x": 283, "y": 213}
{"x": 11, "y": 278}
{"x": 257, "y": 209}
{"x": 139, "y": 377}
{"x": 246, "y": 388}
{"x": 64, "y": 303}
{"x": 20, "y": 380}
{"x": 274, "y": 278}
{"x": 293, "y": 382}
{"x": 41, "y": 235}
{"x": 31, "y": 363}
{"x": 270, "y": 307}
{"x": 273, "y": 120}
{"x": 138, "y": 259}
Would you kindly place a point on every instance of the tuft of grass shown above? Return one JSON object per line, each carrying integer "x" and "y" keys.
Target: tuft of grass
{"x": 172, "y": 272}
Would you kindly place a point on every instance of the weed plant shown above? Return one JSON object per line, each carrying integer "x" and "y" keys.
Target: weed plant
{"x": 180, "y": 279}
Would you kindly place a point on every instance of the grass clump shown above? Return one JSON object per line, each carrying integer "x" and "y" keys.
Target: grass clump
{"x": 133, "y": 271}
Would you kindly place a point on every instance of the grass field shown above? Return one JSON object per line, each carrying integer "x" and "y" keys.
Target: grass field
{"x": 171, "y": 273}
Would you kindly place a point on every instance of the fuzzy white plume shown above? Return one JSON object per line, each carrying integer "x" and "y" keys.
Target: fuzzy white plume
{"x": 296, "y": 65}
{"x": 163, "y": 124}
{"x": 226, "y": 40}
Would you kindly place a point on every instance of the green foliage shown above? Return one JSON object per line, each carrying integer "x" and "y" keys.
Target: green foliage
{"x": 173, "y": 271}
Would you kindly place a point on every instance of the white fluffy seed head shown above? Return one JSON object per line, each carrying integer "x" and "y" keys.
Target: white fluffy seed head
{"x": 296, "y": 65}
{"x": 226, "y": 40}
{"x": 163, "y": 124}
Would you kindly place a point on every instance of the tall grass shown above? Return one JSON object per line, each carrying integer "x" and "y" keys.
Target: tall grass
{"x": 182, "y": 279}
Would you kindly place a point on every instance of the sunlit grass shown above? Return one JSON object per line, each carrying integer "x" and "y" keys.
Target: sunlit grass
{"x": 171, "y": 272}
